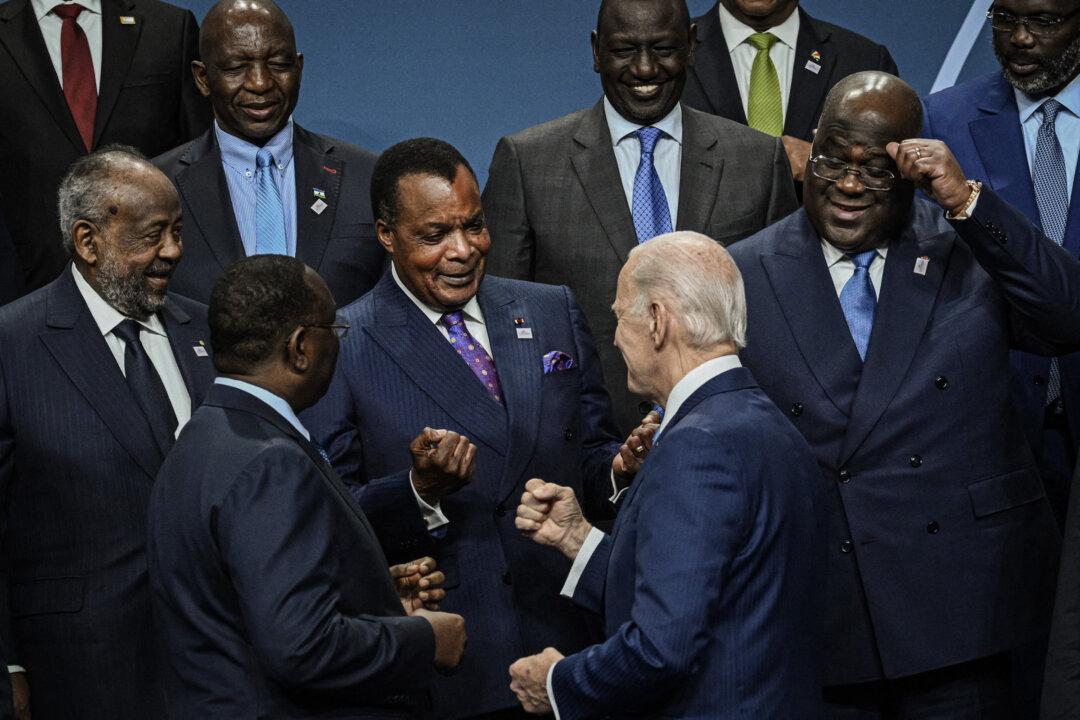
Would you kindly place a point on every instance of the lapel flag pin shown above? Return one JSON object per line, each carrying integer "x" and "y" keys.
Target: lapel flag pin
{"x": 200, "y": 349}
{"x": 318, "y": 193}
{"x": 127, "y": 19}
{"x": 815, "y": 56}
{"x": 519, "y": 321}
{"x": 319, "y": 206}
{"x": 327, "y": 168}
{"x": 921, "y": 264}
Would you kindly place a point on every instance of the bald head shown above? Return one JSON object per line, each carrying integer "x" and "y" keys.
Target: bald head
{"x": 879, "y": 96}
{"x": 677, "y": 8}
{"x": 223, "y": 19}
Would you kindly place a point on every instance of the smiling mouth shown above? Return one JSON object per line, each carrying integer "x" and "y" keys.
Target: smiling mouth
{"x": 645, "y": 92}
{"x": 843, "y": 211}
{"x": 259, "y": 112}
{"x": 462, "y": 280}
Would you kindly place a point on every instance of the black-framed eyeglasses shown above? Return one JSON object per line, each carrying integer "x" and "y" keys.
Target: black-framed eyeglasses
{"x": 834, "y": 170}
{"x": 341, "y": 329}
{"x": 1041, "y": 24}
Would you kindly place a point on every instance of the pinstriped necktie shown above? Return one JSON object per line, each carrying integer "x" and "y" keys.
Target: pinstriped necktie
{"x": 764, "y": 107}
{"x": 859, "y": 302}
{"x": 269, "y": 210}
{"x": 1052, "y": 196}
{"x": 649, "y": 207}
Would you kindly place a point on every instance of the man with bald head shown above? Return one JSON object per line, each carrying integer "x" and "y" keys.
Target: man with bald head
{"x": 257, "y": 182}
{"x": 882, "y": 325}
{"x": 100, "y": 370}
{"x": 567, "y": 200}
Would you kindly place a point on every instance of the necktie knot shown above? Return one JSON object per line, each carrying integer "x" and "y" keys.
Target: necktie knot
{"x": 264, "y": 158}
{"x": 67, "y": 11}
{"x": 762, "y": 41}
{"x": 1049, "y": 110}
{"x": 453, "y": 319}
{"x": 648, "y": 137}
{"x": 862, "y": 260}
{"x": 128, "y": 331}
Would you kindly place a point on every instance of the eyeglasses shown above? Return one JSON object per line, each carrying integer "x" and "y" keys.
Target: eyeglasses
{"x": 1042, "y": 24}
{"x": 833, "y": 170}
{"x": 341, "y": 329}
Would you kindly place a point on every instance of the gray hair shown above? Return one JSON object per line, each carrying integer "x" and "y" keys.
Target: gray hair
{"x": 85, "y": 190}
{"x": 699, "y": 282}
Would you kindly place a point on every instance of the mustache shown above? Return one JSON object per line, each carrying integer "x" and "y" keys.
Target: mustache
{"x": 160, "y": 268}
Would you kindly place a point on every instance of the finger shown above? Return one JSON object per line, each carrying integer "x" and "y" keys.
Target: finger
{"x": 445, "y": 448}
{"x": 469, "y": 464}
{"x": 652, "y": 418}
{"x": 432, "y": 580}
{"x": 533, "y": 484}
{"x": 525, "y": 525}
{"x": 528, "y": 513}
{"x": 457, "y": 458}
{"x": 426, "y": 565}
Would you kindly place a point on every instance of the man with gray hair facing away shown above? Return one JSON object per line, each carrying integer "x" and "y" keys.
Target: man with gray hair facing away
{"x": 721, "y": 628}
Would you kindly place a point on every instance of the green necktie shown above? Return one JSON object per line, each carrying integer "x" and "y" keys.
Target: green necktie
{"x": 765, "y": 111}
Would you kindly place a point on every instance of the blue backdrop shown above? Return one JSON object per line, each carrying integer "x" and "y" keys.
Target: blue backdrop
{"x": 470, "y": 71}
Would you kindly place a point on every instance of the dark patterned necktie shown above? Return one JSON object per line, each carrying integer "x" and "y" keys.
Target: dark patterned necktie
{"x": 146, "y": 386}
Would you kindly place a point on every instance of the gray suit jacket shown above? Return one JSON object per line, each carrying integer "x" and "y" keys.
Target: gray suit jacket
{"x": 557, "y": 212}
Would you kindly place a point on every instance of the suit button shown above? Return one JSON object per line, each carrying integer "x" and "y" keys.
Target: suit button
{"x": 568, "y": 434}
{"x": 796, "y": 409}
{"x": 942, "y": 382}
{"x": 844, "y": 475}
{"x": 644, "y": 407}
{"x": 932, "y": 527}
{"x": 916, "y": 460}
{"x": 1040, "y": 380}
{"x": 846, "y": 547}
{"x": 508, "y": 578}
{"x": 500, "y": 510}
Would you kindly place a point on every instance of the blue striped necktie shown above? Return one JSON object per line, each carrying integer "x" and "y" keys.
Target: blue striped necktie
{"x": 1052, "y": 196}
{"x": 649, "y": 207}
{"x": 269, "y": 211}
{"x": 859, "y": 302}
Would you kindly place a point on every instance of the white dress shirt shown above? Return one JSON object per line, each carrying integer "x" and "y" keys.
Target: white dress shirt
{"x": 687, "y": 386}
{"x": 667, "y": 155}
{"x": 90, "y": 22}
{"x": 841, "y": 267}
{"x": 1067, "y": 126}
{"x": 277, "y": 403}
{"x": 154, "y": 341}
{"x": 782, "y": 53}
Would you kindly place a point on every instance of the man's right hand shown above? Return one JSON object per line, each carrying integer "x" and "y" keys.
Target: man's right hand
{"x": 443, "y": 463}
{"x": 449, "y": 637}
{"x": 551, "y": 515}
{"x": 20, "y": 692}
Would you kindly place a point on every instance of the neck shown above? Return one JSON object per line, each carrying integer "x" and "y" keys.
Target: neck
{"x": 681, "y": 362}
{"x": 760, "y": 24}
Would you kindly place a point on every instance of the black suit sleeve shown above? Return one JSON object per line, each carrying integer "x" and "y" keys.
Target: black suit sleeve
{"x": 195, "y": 112}
{"x": 782, "y": 199}
{"x": 513, "y": 242}
{"x": 886, "y": 62}
{"x": 10, "y": 274}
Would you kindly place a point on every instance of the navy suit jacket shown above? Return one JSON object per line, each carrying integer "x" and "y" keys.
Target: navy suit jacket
{"x": 940, "y": 543}
{"x": 339, "y": 243}
{"x": 980, "y": 123}
{"x": 272, "y": 596}
{"x": 76, "y": 466}
{"x": 10, "y": 275}
{"x": 723, "y": 626}
{"x": 396, "y": 375}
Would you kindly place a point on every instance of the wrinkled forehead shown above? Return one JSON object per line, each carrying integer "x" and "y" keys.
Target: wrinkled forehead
{"x": 864, "y": 120}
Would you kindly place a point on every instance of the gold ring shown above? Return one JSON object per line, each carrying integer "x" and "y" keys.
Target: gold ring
{"x": 639, "y": 450}
{"x": 918, "y": 153}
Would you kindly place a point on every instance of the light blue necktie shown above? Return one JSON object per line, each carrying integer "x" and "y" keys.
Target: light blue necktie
{"x": 858, "y": 301}
{"x": 649, "y": 207}
{"x": 269, "y": 211}
{"x": 1052, "y": 195}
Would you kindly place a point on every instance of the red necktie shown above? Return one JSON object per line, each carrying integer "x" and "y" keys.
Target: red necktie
{"x": 80, "y": 88}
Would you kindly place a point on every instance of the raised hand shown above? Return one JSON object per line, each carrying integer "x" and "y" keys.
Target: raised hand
{"x": 443, "y": 463}
{"x": 550, "y": 515}
{"x": 633, "y": 452}
{"x": 419, "y": 584}
{"x": 450, "y": 637}
{"x": 931, "y": 166}
{"x": 528, "y": 680}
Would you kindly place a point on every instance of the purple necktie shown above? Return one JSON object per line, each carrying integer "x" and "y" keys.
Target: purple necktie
{"x": 473, "y": 354}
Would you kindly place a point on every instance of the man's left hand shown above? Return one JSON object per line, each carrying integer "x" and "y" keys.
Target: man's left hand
{"x": 798, "y": 152}
{"x": 931, "y": 166}
{"x": 419, "y": 584}
{"x": 528, "y": 680}
{"x": 633, "y": 452}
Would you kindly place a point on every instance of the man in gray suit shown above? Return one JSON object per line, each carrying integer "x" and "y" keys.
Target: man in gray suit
{"x": 567, "y": 200}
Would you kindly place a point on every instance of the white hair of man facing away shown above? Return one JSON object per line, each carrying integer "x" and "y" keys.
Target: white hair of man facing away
{"x": 699, "y": 282}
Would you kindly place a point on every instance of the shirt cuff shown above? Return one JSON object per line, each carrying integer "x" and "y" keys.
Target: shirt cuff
{"x": 433, "y": 514}
{"x": 584, "y": 554}
{"x": 551, "y": 691}
{"x": 616, "y": 491}
{"x": 20, "y": 668}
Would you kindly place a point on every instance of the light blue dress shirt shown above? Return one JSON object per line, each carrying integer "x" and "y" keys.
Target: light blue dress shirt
{"x": 238, "y": 161}
{"x": 1067, "y": 126}
{"x": 667, "y": 157}
{"x": 278, "y": 404}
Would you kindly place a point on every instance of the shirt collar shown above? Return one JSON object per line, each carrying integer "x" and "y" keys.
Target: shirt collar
{"x": 44, "y": 7}
{"x": 690, "y": 383}
{"x": 276, "y": 402}
{"x": 471, "y": 311}
{"x": 1069, "y": 97}
{"x": 834, "y": 255}
{"x": 105, "y": 315}
{"x": 239, "y": 154}
{"x": 620, "y": 127}
{"x": 736, "y": 32}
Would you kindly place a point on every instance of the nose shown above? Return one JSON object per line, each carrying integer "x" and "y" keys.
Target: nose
{"x": 851, "y": 183}
{"x": 257, "y": 78}
{"x": 644, "y": 65}
{"x": 172, "y": 247}
{"x": 458, "y": 246}
{"x": 1021, "y": 36}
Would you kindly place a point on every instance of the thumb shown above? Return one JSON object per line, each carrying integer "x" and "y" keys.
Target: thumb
{"x": 534, "y": 484}
{"x": 893, "y": 148}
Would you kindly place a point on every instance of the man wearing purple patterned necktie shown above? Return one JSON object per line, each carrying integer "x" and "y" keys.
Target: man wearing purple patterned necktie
{"x": 510, "y": 365}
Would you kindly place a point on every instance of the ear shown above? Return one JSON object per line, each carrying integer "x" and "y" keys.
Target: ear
{"x": 385, "y": 235}
{"x": 594, "y": 40}
{"x": 691, "y": 44}
{"x": 84, "y": 237}
{"x": 198, "y": 71}
{"x": 298, "y": 350}
{"x": 659, "y": 320}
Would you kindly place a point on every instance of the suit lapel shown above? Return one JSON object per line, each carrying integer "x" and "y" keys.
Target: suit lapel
{"x": 699, "y": 175}
{"x": 596, "y": 169}
{"x": 118, "y": 43}
{"x": 316, "y": 169}
{"x": 520, "y": 369}
{"x": 713, "y": 68}
{"x": 203, "y": 186}
{"x": 75, "y": 342}
{"x": 804, "y": 290}
{"x": 808, "y": 88}
{"x": 1000, "y": 143}
{"x": 905, "y": 303}
{"x": 197, "y": 370}
{"x": 1072, "y": 225}
{"x": 422, "y": 353}
{"x": 21, "y": 35}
